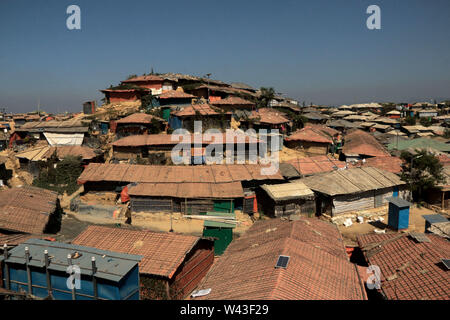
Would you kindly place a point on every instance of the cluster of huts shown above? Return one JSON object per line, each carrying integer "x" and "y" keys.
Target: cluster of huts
{"x": 347, "y": 161}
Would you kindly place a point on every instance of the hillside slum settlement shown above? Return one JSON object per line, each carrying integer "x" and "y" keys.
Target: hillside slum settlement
{"x": 152, "y": 206}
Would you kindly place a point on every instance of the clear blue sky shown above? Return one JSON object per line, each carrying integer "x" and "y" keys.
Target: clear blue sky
{"x": 315, "y": 51}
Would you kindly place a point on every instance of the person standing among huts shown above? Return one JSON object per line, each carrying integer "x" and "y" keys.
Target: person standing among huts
{"x": 128, "y": 213}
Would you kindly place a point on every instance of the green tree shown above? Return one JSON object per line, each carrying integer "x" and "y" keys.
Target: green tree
{"x": 147, "y": 102}
{"x": 61, "y": 175}
{"x": 426, "y": 122}
{"x": 266, "y": 95}
{"x": 422, "y": 171}
{"x": 410, "y": 121}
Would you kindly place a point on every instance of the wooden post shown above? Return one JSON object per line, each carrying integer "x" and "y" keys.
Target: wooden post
{"x": 47, "y": 273}
{"x": 94, "y": 279}
{"x": 27, "y": 260}
{"x": 5, "y": 254}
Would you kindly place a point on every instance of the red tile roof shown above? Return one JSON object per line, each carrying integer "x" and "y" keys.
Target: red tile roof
{"x": 192, "y": 110}
{"x": 311, "y": 135}
{"x": 318, "y": 267}
{"x": 163, "y": 253}
{"x": 363, "y": 143}
{"x": 139, "y": 118}
{"x": 312, "y": 165}
{"x": 175, "y": 174}
{"x": 175, "y": 94}
{"x": 26, "y": 209}
{"x": 409, "y": 270}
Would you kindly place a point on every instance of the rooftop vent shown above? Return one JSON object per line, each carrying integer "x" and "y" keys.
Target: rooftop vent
{"x": 282, "y": 262}
{"x": 419, "y": 237}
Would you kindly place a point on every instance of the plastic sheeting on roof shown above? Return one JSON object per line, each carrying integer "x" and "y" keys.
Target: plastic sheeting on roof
{"x": 64, "y": 139}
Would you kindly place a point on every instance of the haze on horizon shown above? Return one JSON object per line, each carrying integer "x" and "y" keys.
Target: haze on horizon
{"x": 313, "y": 51}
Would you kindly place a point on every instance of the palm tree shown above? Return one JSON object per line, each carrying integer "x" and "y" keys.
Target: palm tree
{"x": 267, "y": 94}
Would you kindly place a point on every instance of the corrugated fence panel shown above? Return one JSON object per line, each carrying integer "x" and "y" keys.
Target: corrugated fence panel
{"x": 355, "y": 202}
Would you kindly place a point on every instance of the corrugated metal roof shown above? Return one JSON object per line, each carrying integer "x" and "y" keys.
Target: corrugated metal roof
{"x": 173, "y": 139}
{"x": 175, "y": 94}
{"x": 269, "y": 116}
{"x": 139, "y": 117}
{"x": 192, "y": 110}
{"x": 353, "y": 180}
{"x": 188, "y": 190}
{"x": 317, "y": 164}
{"x": 309, "y": 134}
{"x": 110, "y": 265}
{"x": 162, "y": 253}
{"x": 420, "y": 143}
{"x": 233, "y": 101}
{"x": 175, "y": 174}
{"x": 288, "y": 191}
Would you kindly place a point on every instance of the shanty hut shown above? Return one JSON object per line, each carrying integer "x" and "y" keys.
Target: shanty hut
{"x": 42, "y": 269}
{"x": 158, "y": 148}
{"x": 363, "y": 145}
{"x": 189, "y": 198}
{"x": 234, "y": 103}
{"x": 210, "y": 116}
{"x": 311, "y": 140}
{"x": 172, "y": 99}
{"x": 287, "y": 199}
{"x": 172, "y": 264}
{"x": 180, "y": 188}
{"x": 139, "y": 123}
{"x": 266, "y": 118}
{"x": 354, "y": 189}
{"x": 30, "y": 159}
{"x": 29, "y": 210}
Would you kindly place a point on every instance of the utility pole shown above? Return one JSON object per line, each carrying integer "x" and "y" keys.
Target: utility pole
{"x": 208, "y": 75}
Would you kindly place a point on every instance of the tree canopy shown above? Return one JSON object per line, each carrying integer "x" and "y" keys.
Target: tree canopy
{"x": 267, "y": 94}
{"x": 421, "y": 171}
